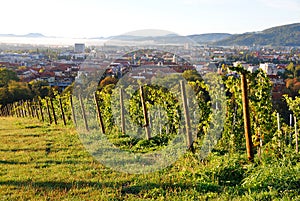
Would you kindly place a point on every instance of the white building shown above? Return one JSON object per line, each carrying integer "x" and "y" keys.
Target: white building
{"x": 252, "y": 69}
{"x": 269, "y": 68}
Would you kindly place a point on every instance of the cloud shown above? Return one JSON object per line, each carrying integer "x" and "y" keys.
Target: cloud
{"x": 207, "y": 2}
{"x": 293, "y": 5}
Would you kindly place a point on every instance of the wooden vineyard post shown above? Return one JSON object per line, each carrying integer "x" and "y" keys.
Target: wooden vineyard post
{"x": 8, "y": 112}
{"x": 12, "y": 110}
{"x": 99, "y": 114}
{"x": 41, "y": 110}
{"x": 21, "y": 109}
{"x": 290, "y": 137}
{"x": 36, "y": 109}
{"x": 15, "y": 108}
{"x": 18, "y": 109}
{"x": 260, "y": 144}
{"x": 62, "y": 111}
{"x": 296, "y": 134}
{"x": 186, "y": 115}
{"x": 29, "y": 109}
{"x": 144, "y": 107}
{"x": 48, "y": 110}
{"x": 31, "y": 105}
{"x": 24, "y": 109}
{"x": 32, "y": 109}
{"x": 5, "y": 111}
{"x": 83, "y": 113}
{"x": 11, "y": 107}
{"x": 122, "y": 112}
{"x": 246, "y": 115}
{"x": 53, "y": 111}
{"x": 72, "y": 110}
{"x": 279, "y": 130}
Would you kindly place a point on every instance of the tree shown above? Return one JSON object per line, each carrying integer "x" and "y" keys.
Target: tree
{"x": 107, "y": 81}
{"x": 40, "y": 88}
{"x": 293, "y": 86}
{"x": 4, "y": 96}
{"x": 6, "y": 75}
{"x": 19, "y": 91}
{"x": 191, "y": 75}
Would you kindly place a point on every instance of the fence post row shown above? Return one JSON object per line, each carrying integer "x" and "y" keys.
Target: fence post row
{"x": 35, "y": 109}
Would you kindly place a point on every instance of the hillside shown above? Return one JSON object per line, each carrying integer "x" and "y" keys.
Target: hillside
{"x": 286, "y": 35}
{"x": 42, "y": 162}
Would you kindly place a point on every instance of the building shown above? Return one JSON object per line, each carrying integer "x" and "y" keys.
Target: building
{"x": 269, "y": 68}
{"x": 79, "y": 48}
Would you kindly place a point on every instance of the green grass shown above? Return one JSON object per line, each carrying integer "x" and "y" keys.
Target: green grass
{"x": 47, "y": 162}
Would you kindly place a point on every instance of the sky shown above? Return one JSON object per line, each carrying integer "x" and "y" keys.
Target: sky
{"x": 103, "y": 18}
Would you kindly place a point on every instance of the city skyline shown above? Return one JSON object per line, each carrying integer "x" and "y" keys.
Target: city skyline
{"x": 91, "y": 18}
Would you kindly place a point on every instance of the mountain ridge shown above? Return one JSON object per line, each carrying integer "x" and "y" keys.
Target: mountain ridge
{"x": 29, "y": 35}
{"x": 284, "y": 35}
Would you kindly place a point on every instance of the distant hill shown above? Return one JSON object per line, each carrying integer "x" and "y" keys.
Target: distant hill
{"x": 286, "y": 35}
{"x": 209, "y": 37}
{"x": 34, "y": 35}
{"x": 173, "y": 38}
{"x": 30, "y": 35}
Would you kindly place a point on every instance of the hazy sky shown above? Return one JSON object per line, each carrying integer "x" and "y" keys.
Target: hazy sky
{"x": 94, "y": 18}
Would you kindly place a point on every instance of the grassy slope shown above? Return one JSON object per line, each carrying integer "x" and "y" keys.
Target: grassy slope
{"x": 42, "y": 162}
